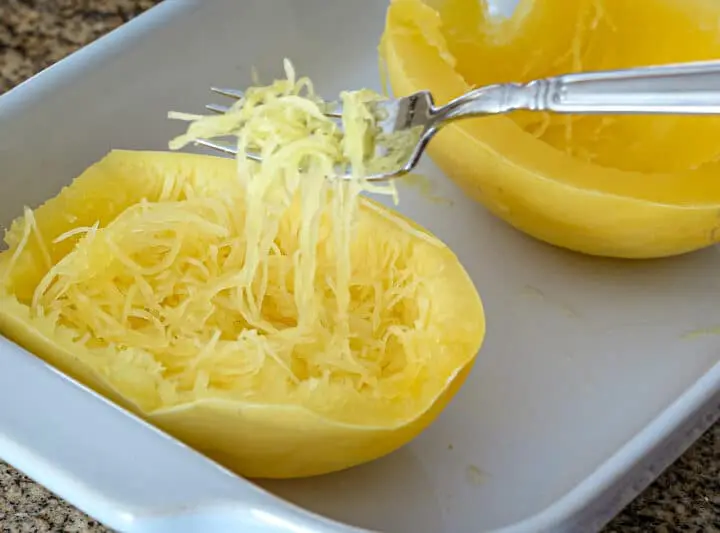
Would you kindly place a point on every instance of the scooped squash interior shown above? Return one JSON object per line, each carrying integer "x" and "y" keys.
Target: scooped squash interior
{"x": 127, "y": 280}
{"x": 620, "y": 186}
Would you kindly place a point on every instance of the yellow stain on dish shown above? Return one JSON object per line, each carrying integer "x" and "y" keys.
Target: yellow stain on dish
{"x": 703, "y": 332}
{"x": 474, "y": 475}
{"x": 533, "y": 292}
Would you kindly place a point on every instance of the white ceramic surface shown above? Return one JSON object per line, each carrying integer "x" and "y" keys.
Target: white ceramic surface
{"x": 587, "y": 386}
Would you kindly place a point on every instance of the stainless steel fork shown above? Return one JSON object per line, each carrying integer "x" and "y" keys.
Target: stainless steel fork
{"x": 683, "y": 88}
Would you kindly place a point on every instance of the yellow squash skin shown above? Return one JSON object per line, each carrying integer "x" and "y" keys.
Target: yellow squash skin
{"x": 539, "y": 189}
{"x": 254, "y": 439}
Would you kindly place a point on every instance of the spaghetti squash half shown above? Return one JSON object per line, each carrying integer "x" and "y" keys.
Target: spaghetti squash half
{"x": 618, "y": 186}
{"x": 279, "y": 336}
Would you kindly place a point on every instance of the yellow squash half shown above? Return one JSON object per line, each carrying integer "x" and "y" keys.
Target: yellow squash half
{"x": 634, "y": 187}
{"x": 276, "y": 421}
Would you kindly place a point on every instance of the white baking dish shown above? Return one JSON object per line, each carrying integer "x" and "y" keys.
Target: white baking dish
{"x": 587, "y": 387}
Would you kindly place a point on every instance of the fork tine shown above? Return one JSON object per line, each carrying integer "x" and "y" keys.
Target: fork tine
{"x": 333, "y": 110}
{"x": 230, "y": 93}
{"x": 227, "y": 148}
{"x": 217, "y": 108}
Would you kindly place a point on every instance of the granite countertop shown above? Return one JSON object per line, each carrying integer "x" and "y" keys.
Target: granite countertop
{"x": 37, "y": 33}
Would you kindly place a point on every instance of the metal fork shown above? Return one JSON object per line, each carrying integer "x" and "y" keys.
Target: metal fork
{"x": 683, "y": 88}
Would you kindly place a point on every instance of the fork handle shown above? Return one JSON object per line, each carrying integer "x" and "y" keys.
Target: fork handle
{"x": 683, "y": 88}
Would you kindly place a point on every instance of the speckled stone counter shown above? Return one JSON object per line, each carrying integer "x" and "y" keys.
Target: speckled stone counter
{"x": 37, "y": 33}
